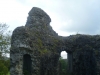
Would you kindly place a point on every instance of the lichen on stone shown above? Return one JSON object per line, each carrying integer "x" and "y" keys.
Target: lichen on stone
{"x": 44, "y": 45}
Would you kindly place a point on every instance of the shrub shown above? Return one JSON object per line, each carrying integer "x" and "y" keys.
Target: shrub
{"x": 3, "y": 69}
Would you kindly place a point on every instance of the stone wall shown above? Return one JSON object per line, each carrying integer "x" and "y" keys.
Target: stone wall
{"x": 85, "y": 50}
{"x": 38, "y": 40}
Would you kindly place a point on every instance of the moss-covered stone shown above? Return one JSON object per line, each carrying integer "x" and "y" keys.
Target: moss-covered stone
{"x": 44, "y": 45}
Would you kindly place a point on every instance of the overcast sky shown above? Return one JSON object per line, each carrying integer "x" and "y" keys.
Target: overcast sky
{"x": 68, "y": 16}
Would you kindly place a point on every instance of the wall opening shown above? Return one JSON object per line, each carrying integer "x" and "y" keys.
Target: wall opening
{"x": 63, "y": 55}
{"x": 27, "y": 64}
{"x": 63, "y": 63}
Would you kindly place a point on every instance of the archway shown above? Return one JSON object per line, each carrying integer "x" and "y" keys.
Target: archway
{"x": 63, "y": 63}
{"x": 63, "y": 54}
{"x": 27, "y": 64}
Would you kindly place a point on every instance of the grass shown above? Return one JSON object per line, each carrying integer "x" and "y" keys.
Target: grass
{"x": 8, "y": 73}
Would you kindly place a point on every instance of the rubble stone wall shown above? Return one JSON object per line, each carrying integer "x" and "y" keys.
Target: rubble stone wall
{"x": 44, "y": 45}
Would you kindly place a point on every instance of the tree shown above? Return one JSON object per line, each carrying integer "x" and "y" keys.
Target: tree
{"x": 63, "y": 66}
{"x": 3, "y": 69}
{"x": 4, "y": 49}
{"x": 4, "y": 40}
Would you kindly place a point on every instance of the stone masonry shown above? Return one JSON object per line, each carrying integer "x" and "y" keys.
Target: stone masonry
{"x": 36, "y": 48}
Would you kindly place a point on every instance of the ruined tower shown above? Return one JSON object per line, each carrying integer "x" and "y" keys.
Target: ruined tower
{"x": 36, "y": 48}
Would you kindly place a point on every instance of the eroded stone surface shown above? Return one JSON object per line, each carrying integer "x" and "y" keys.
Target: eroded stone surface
{"x": 42, "y": 43}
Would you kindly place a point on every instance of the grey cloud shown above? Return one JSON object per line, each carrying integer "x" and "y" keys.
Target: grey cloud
{"x": 85, "y": 17}
{"x": 83, "y": 14}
